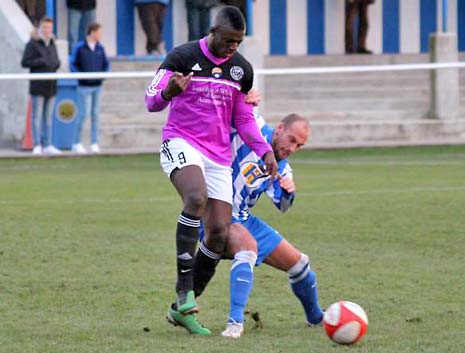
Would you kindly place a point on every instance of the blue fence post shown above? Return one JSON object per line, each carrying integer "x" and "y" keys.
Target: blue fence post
{"x": 428, "y": 22}
{"x": 125, "y": 27}
{"x": 50, "y": 8}
{"x": 167, "y": 34}
{"x": 461, "y": 26}
{"x": 50, "y": 11}
{"x": 391, "y": 26}
{"x": 315, "y": 27}
{"x": 445, "y": 11}
{"x": 249, "y": 13}
{"x": 278, "y": 26}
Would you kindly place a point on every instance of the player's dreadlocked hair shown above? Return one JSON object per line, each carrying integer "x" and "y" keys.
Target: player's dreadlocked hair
{"x": 230, "y": 16}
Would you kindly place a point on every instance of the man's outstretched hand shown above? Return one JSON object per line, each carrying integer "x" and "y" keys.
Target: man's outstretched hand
{"x": 176, "y": 85}
{"x": 253, "y": 97}
{"x": 271, "y": 165}
{"x": 287, "y": 183}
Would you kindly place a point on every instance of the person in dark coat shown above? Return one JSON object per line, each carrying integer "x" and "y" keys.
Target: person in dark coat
{"x": 152, "y": 18}
{"x": 81, "y": 13}
{"x": 354, "y": 8}
{"x": 198, "y": 17}
{"x": 89, "y": 56}
{"x": 41, "y": 56}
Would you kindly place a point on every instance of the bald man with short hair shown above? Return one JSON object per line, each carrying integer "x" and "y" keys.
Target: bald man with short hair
{"x": 251, "y": 240}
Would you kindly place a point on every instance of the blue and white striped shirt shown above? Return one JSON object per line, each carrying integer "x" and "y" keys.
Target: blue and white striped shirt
{"x": 249, "y": 180}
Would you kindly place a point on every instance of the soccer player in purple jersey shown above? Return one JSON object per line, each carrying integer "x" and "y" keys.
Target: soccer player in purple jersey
{"x": 205, "y": 84}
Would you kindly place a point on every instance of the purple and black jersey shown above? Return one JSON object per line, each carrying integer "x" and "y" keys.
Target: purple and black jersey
{"x": 213, "y": 102}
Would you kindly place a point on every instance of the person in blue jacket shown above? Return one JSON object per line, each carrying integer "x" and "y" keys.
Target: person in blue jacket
{"x": 152, "y": 17}
{"x": 89, "y": 56}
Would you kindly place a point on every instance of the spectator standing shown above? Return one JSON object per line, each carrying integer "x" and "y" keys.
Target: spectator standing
{"x": 198, "y": 17}
{"x": 240, "y": 4}
{"x": 152, "y": 18}
{"x": 34, "y": 10}
{"x": 89, "y": 56}
{"x": 354, "y": 8}
{"x": 80, "y": 14}
{"x": 41, "y": 56}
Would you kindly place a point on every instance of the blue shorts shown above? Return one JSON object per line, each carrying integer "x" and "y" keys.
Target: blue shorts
{"x": 267, "y": 237}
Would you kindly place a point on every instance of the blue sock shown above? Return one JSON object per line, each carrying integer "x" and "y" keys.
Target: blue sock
{"x": 303, "y": 284}
{"x": 241, "y": 283}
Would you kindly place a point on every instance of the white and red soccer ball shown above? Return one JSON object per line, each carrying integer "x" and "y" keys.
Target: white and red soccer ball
{"x": 345, "y": 322}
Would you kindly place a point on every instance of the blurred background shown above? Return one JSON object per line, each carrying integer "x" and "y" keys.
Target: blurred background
{"x": 379, "y": 108}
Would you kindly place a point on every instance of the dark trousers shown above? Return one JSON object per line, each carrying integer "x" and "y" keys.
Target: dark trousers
{"x": 152, "y": 17}
{"x": 34, "y": 9}
{"x": 198, "y": 20}
{"x": 241, "y": 4}
{"x": 353, "y": 8}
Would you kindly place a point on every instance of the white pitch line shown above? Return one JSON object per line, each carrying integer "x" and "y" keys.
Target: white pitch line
{"x": 53, "y": 166}
{"x": 375, "y": 162}
{"x": 86, "y": 200}
{"x": 384, "y": 191}
{"x": 299, "y": 194}
{"x": 355, "y": 161}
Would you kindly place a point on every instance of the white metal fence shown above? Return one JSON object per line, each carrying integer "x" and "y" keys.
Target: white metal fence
{"x": 259, "y": 72}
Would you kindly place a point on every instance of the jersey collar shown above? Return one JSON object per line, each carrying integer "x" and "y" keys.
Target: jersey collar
{"x": 268, "y": 134}
{"x": 204, "y": 47}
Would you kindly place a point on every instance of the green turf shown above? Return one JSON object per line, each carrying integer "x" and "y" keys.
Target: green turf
{"x": 87, "y": 255}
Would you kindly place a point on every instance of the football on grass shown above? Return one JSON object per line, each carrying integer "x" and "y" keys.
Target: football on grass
{"x": 345, "y": 322}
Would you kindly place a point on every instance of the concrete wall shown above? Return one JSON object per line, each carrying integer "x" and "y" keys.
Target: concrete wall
{"x": 15, "y": 30}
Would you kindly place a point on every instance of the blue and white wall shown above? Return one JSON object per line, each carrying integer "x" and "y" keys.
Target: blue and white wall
{"x": 290, "y": 27}
{"x": 300, "y": 27}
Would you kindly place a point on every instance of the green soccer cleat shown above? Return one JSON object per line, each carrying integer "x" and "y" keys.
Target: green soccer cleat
{"x": 189, "y": 322}
{"x": 186, "y": 304}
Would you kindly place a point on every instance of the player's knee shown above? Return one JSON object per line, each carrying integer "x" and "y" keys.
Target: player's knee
{"x": 300, "y": 270}
{"x": 195, "y": 202}
{"x": 216, "y": 245}
{"x": 238, "y": 240}
{"x": 248, "y": 244}
{"x": 217, "y": 236}
{"x": 249, "y": 257}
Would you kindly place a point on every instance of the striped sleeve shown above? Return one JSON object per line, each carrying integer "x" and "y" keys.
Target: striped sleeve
{"x": 281, "y": 198}
{"x": 153, "y": 95}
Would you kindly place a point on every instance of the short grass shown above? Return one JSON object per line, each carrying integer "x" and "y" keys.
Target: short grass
{"x": 87, "y": 255}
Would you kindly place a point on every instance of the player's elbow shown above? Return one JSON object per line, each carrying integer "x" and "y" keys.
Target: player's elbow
{"x": 285, "y": 204}
{"x": 155, "y": 102}
{"x": 151, "y": 105}
{"x": 151, "y": 108}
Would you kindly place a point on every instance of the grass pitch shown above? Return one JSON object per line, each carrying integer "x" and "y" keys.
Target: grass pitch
{"x": 87, "y": 255}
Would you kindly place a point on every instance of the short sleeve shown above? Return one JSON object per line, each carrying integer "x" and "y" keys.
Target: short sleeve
{"x": 247, "y": 81}
{"x": 174, "y": 62}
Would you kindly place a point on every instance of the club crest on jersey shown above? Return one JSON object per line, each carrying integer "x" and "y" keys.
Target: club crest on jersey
{"x": 237, "y": 72}
{"x": 252, "y": 173}
{"x": 217, "y": 72}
